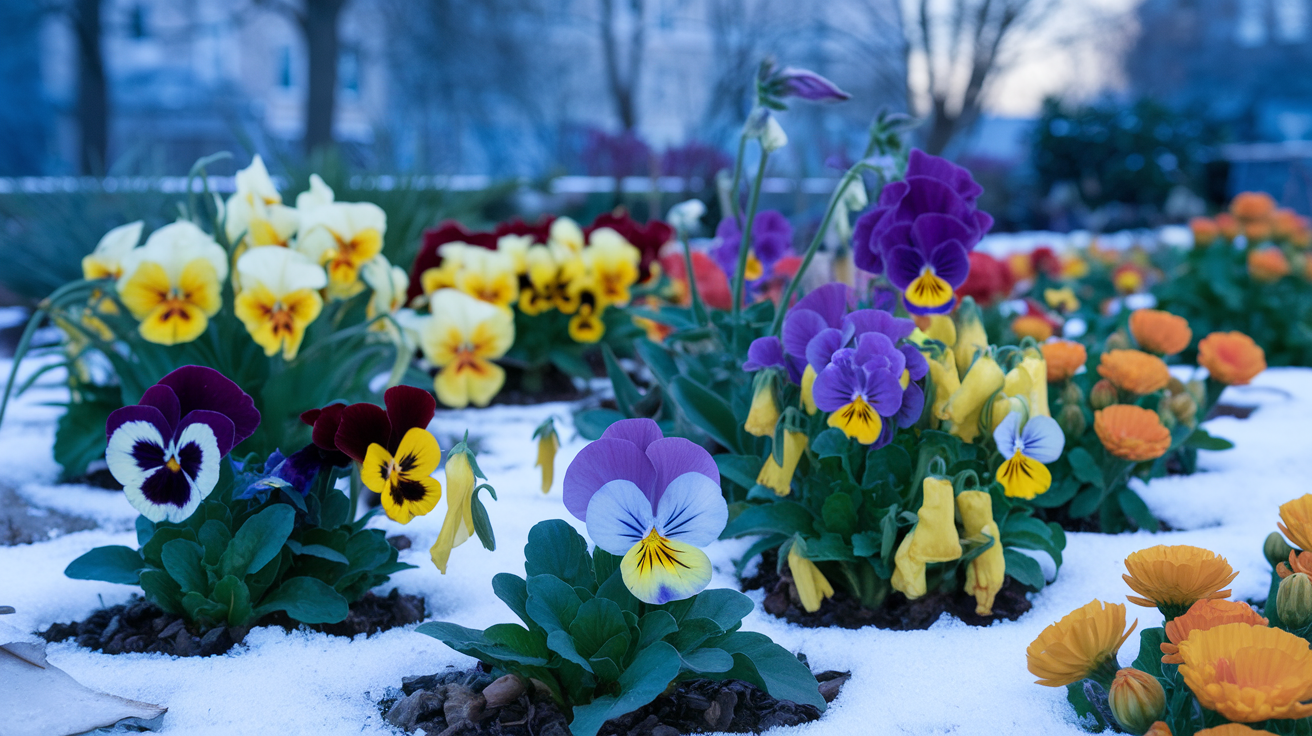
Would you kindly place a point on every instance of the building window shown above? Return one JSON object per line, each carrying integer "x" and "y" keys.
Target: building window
{"x": 285, "y": 67}
{"x": 137, "y": 25}
{"x": 348, "y": 70}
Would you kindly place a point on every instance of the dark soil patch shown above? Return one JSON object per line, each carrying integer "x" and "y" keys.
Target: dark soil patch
{"x": 22, "y": 523}
{"x": 141, "y": 626}
{"x": 897, "y": 613}
{"x": 472, "y": 703}
{"x": 549, "y": 384}
{"x": 99, "y": 478}
{"x": 1089, "y": 523}
{"x": 1231, "y": 410}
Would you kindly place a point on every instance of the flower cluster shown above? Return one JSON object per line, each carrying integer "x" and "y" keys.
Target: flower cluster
{"x": 1255, "y": 216}
{"x": 555, "y": 265}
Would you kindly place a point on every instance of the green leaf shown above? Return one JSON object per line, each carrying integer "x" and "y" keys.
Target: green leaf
{"x": 234, "y": 594}
{"x": 1150, "y": 651}
{"x": 727, "y": 608}
{"x": 519, "y": 639}
{"x": 145, "y": 530}
{"x": 627, "y": 394}
{"x": 323, "y": 552}
{"x": 830, "y": 443}
{"x": 482, "y": 524}
{"x": 646, "y": 678}
{"x": 214, "y": 537}
{"x": 658, "y": 359}
{"x": 708, "y": 660}
{"x": 654, "y": 627}
{"x": 307, "y": 600}
{"x": 552, "y": 602}
{"x": 513, "y": 591}
{"x": 161, "y": 590}
{"x": 1084, "y": 467}
{"x": 839, "y": 514}
{"x": 590, "y": 423}
{"x": 182, "y": 561}
{"x": 866, "y": 544}
{"x": 772, "y": 668}
{"x": 115, "y": 564}
{"x": 152, "y": 550}
{"x": 474, "y": 643}
{"x": 1058, "y": 494}
{"x": 595, "y": 624}
{"x": 258, "y": 540}
{"x": 80, "y": 436}
{"x": 1136, "y": 509}
{"x": 1024, "y": 569}
{"x": 555, "y": 548}
{"x": 780, "y": 517}
{"x": 707, "y": 411}
{"x": 741, "y": 469}
{"x": 1085, "y": 502}
{"x": 560, "y": 642}
{"x": 1202, "y": 440}
{"x": 571, "y": 361}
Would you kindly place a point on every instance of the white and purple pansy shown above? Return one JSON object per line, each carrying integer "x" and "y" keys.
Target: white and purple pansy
{"x": 654, "y": 501}
{"x": 166, "y": 449}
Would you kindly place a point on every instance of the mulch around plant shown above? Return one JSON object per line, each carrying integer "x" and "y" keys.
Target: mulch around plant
{"x": 473, "y": 703}
{"x": 897, "y": 613}
{"x": 141, "y": 626}
{"x": 1231, "y": 410}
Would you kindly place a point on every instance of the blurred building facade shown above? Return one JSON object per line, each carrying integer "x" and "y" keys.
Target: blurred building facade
{"x": 502, "y": 87}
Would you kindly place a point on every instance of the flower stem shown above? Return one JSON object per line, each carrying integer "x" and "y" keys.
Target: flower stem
{"x": 356, "y": 487}
{"x": 695, "y": 297}
{"x": 737, "y": 179}
{"x": 744, "y": 245}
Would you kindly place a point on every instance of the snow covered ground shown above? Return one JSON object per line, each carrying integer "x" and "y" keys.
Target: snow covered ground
{"x": 951, "y": 678}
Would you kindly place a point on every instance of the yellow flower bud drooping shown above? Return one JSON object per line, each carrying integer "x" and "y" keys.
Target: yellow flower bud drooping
{"x": 908, "y": 575}
{"x": 780, "y": 479}
{"x": 943, "y": 373}
{"x": 459, "y": 523}
{"x": 764, "y": 413}
{"x": 808, "y": 390}
{"x": 812, "y": 586}
{"x": 548, "y": 444}
{"x": 986, "y": 572}
{"x": 934, "y": 539}
{"x": 942, "y": 329}
{"x": 971, "y": 337}
{"x": 977, "y": 388}
{"x": 1136, "y": 699}
{"x": 1035, "y": 368}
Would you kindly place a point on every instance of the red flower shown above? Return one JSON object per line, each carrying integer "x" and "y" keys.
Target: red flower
{"x": 362, "y": 425}
{"x": 712, "y": 284}
{"x": 648, "y": 239}
{"x": 1044, "y": 260}
{"x": 989, "y": 279}
{"x": 449, "y": 231}
{"x": 326, "y": 422}
{"x": 540, "y": 230}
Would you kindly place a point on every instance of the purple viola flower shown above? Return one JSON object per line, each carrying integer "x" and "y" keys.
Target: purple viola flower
{"x": 861, "y": 387}
{"x": 944, "y": 196}
{"x": 808, "y": 85}
{"x": 295, "y": 472}
{"x": 819, "y": 325}
{"x": 772, "y": 238}
{"x": 764, "y": 352}
{"x": 166, "y": 449}
{"x": 654, "y": 501}
{"x": 929, "y": 278}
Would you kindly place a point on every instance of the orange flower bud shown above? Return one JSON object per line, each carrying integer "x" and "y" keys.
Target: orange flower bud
{"x": 1228, "y": 225}
{"x": 1030, "y": 325}
{"x": 1137, "y": 699}
{"x": 1102, "y": 395}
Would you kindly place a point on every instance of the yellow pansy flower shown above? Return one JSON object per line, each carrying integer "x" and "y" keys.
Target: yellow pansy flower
{"x": 342, "y": 237}
{"x": 444, "y": 276}
{"x": 462, "y": 338}
{"x": 536, "y": 294}
{"x": 586, "y": 325}
{"x": 516, "y": 246}
{"x": 613, "y": 262}
{"x": 405, "y": 479}
{"x": 280, "y": 298}
{"x": 489, "y": 276}
{"x": 172, "y": 283}
{"x": 567, "y": 233}
{"x": 569, "y": 268}
{"x": 106, "y": 261}
{"x": 1063, "y": 299}
{"x": 388, "y": 284}
{"x": 317, "y": 195}
{"x": 253, "y": 183}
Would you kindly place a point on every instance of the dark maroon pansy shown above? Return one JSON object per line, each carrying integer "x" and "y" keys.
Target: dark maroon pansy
{"x": 325, "y": 423}
{"x": 648, "y": 239}
{"x": 366, "y": 424}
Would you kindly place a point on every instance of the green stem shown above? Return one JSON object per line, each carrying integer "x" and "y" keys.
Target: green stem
{"x": 737, "y": 179}
{"x": 698, "y": 310}
{"x": 356, "y": 487}
{"x": 744, "y": 248}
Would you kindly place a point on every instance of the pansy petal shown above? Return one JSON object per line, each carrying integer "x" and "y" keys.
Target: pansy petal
{"x": 619, "y": 516}
{"x": 301, "y": 467}
{"x": 764, "y": 352}
{"x": 641, "y": 432}
{"x": 932, "y": 228}
{"x": 865, "y": 251}
{"x": 418, "y": 453}
{"x": 658, "y": 571}
{"x": 675, "y": 456}
{"x": 917, "y": 365}
{"x": 1007, "y": 434}
{"x": 408, "y": 408}
{"x": 878, "y": 320}
{"x": 1042, "y": 438}
{"x": 876, "y": 346}
{"x": 904, "y": 265}
{"x": 326, "y": 423}
{"x": 913, "y": 404}
{"x": 601, "y": 462}
{"x": 135, "y": 450}
{"x": 163, "y": 399}
{"x": 951, "y": 263}
{"x": 220, "y": 426}
{"x": 829, "y": 301}
{"x": 362, "y": 425}
{"x": 1024, "y": 477}
{"x": 822, "y": 347}
{"x": 799, "y": 327}
{"x": 884, "y": 392}
{"x": 692, "y": 510}
{"x": 834, "y": 386}
{"x": 198, "y": 387}
{"x": 138, "y": 413}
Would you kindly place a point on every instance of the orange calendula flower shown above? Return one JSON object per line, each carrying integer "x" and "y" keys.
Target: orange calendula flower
{"x": 1134, "y": 371}
{"x": 1030, "y": 325}
{"x": 1131, "y": 432}
{"x": 1158, "y": 729}
{"x": 1205, "y": 231}
{"x": 1296, "y": 521}
{"x": 1083, "y": 644}
{"x": 1231, "y": 357}
{"x": 1205, "y": 614}
{"x": 1228, "y": 225}
{"x": 1160, "y": 332}
{"x": 1228, "y": 729}
{"x": 1251, "y": 206}
{"x": 1064, "y": 358}
{"x": 1268, "y": 264}
{"x": 1173, "y": 577}
{"x": 1249, "y": 673}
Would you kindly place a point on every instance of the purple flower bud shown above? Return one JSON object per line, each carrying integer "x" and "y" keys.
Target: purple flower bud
{"x": 808, "y": 85}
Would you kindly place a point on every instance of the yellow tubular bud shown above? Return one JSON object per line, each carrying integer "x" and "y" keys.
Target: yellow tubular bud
{"x": 971, "y": 337}
{"x": 936, "y": 532}
{"x": 458, "y": 525}
{"x": 986, "y": 572}
{"x": 548, "y": 444}
{"x": 1036, "y": 369}
{"x": 764, "y": 413}
{"x": 908, "y": 575}
{"x": 977, "y": 388}
{"x": 943, "y": 373}
{"x": 780, "y": 479}
{"x": 941, "y": 328}
{"x": 812, "y": 586}
{"x": 808, "y": 388}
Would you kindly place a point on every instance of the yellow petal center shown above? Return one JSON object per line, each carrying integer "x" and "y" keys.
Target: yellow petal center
{"x": 928, "y": 290}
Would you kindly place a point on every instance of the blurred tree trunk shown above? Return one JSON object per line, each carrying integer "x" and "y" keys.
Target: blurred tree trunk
{"x": 623, "y": 77}
{"x": 92, "y": 90}
{"x": 319, "y": 23}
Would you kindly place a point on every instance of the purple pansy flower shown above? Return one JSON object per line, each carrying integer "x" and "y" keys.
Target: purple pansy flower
{"x": 653, "y": 500}
{"x": 921, "y": 232}
{"x": 808, "y": 85}
{"x": 772, "y": 237}
{"x": 861, "y": 388}
{"x": 166, "y": 449}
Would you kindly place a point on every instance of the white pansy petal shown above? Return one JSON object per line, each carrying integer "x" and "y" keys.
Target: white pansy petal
{"x": 1007, "y": 434}
{"x": 619, "y": 516}
{"x": 692, "y": 510}
{"x": 134, "y": 451}
{"x": 1042, "y": 439}
{"x": 280, "y": 270}
{"x": 120, "y": 241}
